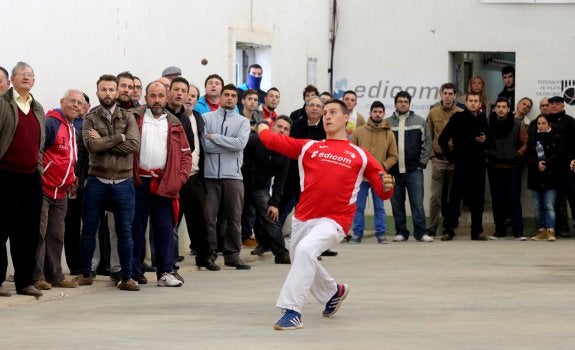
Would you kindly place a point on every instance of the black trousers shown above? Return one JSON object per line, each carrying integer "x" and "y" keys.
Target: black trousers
{"x": 20, "y": 210}
{"x": 193, "y": 208}
{"x": 73, "y": 229}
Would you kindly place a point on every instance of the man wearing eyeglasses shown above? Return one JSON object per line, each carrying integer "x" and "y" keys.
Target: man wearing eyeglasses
{"x": 58, "y": 162}
{"x": 21, "y": 139}
{"x": 137, "y": 92}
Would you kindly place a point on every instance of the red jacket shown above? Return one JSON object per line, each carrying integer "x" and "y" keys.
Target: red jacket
{"x": 179, "y": 162}
{"x": 60, "y": 155}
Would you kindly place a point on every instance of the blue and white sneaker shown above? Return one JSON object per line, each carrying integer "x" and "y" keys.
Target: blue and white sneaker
{"x": 290, "y": 320}
{"x": 334, "y": 303}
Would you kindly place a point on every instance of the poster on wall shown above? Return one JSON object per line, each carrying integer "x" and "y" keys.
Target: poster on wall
{"x": 383, "y": 86}
{"x": 557, "y": 87}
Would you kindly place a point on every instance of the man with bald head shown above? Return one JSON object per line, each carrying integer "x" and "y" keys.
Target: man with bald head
{"x": 161, "y": 168}
{"x": 58, "y": 161}
{"x": 544, "y": 106}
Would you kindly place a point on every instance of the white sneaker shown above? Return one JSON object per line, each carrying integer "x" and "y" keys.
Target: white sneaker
{"x": 398, "y": 238}
{"x": 496, "y": 238}
{"x": 168, "y": 280}
{"x": 426, "y": 238}
{"x": 520, "y": 238}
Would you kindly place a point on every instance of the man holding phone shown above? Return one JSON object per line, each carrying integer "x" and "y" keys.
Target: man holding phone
{"x": 463, "y": 142}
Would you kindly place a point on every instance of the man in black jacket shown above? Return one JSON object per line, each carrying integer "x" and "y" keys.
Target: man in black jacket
{"x": 463, "y": 142}
{"x": 268, "y": 164}
{"x": 193, "y": 193}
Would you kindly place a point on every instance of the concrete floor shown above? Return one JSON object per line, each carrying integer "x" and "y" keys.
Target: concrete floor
{"x": 411, "y": 295}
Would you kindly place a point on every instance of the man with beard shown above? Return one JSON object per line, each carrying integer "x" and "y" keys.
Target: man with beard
{"x": 111, "y": 137}
{"x": 504, "y": 161}
{"x": 160, "y": 169}
{"x": 125, "y": 90}
{"x": 377, "y": 138}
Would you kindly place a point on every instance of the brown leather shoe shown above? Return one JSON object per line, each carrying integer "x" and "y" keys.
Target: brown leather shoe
{"x": 43, "y": 285}
{"x": 4, "y": 292}
{"x": 66, "y": 284}
{"x": 129, "y": 285}
{"x": 83, "y": 281}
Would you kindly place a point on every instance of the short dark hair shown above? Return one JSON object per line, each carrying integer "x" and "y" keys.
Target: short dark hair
{"x": 107, "y": 77}
{"x": 126, "y": 75}
{"x": 255, "y": 65}
{"x": 5, "y": 72}
{"x": 526, "y": 98}
{"x": 272, "y": 89}
{"x": 249, "y": 92}
{"x": 507, "y": 70}
{"x": 284, "y": 118}
{"x": 449, "y": 86}
{"x": 213, "y": 76}
{"x": 308, "y": 89}
{"x": 135, "y": 77}
{"x": 404, "y": 94}
{"x": 376, "y": 104}
{"x": 349, "y": 92}
{"x": 342, "y": 105}
{"x": 502, "y": 99}
{"x": 86, "y": 98}
{"x": 230, "y": 87}
{"x": 474, "y": 94}
{"x": 179, "y": 80}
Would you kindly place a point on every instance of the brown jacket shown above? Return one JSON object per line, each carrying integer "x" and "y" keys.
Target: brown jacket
{"x": 377, "y": 139}
{"x": 110, "y": 157}
{"x": 437, "y": 120}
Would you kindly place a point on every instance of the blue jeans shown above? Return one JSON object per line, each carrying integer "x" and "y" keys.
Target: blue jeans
{"x": 412, "y": 182}
{"x": 120, "y": 198}
{"x": 378, "y": 211}
{"x": 160, "y": 212}
{"x": 544, "y": 203}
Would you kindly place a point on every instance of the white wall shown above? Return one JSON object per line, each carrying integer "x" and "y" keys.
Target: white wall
{"x": 408, "y": 43}
{"x": 71, "y": 43}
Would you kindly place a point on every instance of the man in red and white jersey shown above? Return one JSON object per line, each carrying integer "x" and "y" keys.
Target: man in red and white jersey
{"x": 322, "y": 215}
